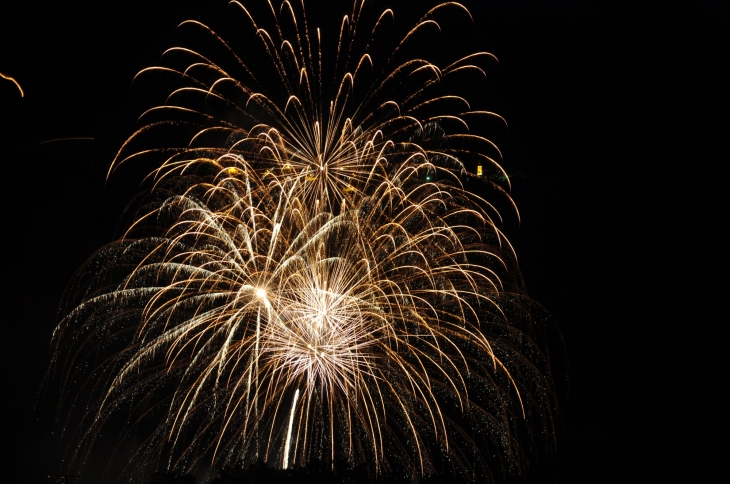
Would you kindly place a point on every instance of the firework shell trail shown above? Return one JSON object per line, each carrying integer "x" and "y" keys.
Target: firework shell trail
{"x": 308, "y": 279}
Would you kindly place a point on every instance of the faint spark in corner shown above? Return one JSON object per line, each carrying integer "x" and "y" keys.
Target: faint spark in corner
{"x": 77, "y": 138}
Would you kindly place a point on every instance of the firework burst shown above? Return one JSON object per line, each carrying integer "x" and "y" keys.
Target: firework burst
{"x": 330, "y": 126}
{"x": 309, "y": 280}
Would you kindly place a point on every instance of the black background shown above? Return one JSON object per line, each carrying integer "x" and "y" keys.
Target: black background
{"x": 606, "y": 103}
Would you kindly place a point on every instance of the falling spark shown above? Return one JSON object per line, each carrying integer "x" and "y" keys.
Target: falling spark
{"x": 22, "y": 94}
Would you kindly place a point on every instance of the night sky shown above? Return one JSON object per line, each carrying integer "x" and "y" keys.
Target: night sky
{"x": 600, "y": 97}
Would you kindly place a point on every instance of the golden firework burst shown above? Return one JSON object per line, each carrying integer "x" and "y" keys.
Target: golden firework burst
{"x": 309, "y": 279}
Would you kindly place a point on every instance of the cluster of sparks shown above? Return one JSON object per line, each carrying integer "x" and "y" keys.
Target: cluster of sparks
{"x": 309, "y": 279}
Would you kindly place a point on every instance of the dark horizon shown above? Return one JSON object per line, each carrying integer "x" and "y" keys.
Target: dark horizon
{"x": 576, "y": 82}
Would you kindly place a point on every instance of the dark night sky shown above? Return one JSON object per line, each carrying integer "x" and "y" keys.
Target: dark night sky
{"x": 602, "y": 98}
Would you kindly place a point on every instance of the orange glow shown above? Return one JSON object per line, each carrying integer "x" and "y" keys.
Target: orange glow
{"x": 22, "y": 94}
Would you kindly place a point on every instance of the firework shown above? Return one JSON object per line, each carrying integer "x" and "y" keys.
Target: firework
{"x": 332, "y": 127}
{"x": 309, "y": 280}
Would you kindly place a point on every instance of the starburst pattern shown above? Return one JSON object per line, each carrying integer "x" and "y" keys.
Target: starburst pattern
{"x": 309, "y": 279}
